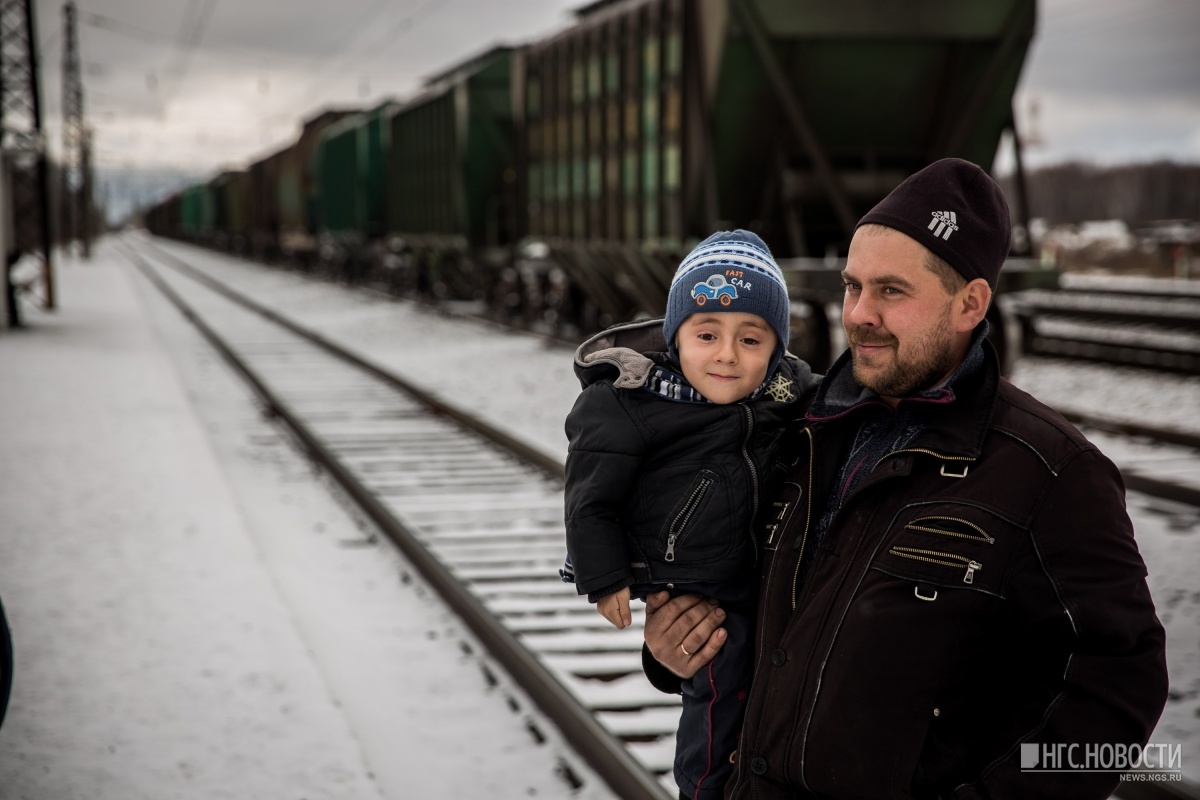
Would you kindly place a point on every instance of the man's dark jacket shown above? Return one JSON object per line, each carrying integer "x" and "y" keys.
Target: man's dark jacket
{"x": 979, "y": 589}
{"x": 664, "y": 490}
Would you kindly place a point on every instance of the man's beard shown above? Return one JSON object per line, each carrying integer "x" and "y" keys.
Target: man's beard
{"x": 925, "y": 362}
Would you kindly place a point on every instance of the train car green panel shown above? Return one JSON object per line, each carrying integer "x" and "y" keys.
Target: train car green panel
{"x": 656, "y": 121}
{"x": 453, "y": 155}
{"x": 190, "y": 214}
{"x": 340, "y": 206}
{"x": 884, "y": 88}
{"x": 198, "y": 211}
{"x": 423, "y": 194}
{"x": 296, "y": 183}
{"x": 349, "y": 164}
{"x": 490, "y": 153}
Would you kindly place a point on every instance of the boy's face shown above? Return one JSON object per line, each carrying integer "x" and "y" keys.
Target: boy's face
{"x": 724, "y": 355}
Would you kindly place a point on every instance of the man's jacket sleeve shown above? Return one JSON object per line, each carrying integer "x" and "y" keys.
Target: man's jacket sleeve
{"x": 1088, "y": 586}
{"x": 605, "y": 451}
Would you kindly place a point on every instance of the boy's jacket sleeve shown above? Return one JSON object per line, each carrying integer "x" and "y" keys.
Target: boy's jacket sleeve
{"x": 605, "y": 451}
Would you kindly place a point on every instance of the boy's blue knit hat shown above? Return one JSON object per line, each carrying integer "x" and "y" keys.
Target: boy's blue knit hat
{"x": 729, "y": 271}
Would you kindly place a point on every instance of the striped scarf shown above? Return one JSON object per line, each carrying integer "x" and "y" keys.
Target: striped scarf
{"x": 671, "y": 385}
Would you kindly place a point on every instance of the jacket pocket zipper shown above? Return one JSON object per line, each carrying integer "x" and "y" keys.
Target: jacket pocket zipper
{"x": 978, "y": 535}
{"x": 680, "y": 523}
{"x": 937, "y": 557}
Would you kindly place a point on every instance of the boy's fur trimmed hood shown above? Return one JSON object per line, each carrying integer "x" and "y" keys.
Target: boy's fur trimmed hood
{"x": 623, "y": 352}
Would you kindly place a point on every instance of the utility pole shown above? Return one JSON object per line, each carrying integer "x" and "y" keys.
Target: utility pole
{"x": 23, "y": 143}
{"x": 76, "y": 158}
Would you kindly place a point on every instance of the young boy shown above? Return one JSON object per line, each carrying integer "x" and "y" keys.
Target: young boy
{"x": 668, "y": 455}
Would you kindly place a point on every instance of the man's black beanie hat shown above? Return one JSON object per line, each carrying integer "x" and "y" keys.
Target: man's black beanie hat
{"x": 956, "y": 210}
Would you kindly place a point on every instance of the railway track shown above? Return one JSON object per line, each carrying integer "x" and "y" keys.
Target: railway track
{"x": 1154, "y": 461}
{"x": 1154, "y": 331}
{"x": 480, "y": 514}
{"x": 477, "y": 512}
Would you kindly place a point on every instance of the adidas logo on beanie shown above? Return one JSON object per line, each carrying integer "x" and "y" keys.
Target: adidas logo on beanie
{"x": 955, "y": 209}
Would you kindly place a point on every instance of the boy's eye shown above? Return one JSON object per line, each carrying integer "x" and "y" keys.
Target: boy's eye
{"x": 750, "y": 340}
{"x": 706, "y": 336}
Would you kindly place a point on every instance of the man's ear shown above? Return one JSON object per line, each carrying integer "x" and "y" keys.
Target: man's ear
{"x": 971, "y": 304}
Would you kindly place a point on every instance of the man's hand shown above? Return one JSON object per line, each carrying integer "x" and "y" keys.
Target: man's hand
{"x": 615, "y": 608}
{"x": 683, "y": 633}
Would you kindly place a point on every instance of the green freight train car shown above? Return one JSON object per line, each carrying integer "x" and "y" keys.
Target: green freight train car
{"x": 232, "y": 201}
{"x": 296, "y": 188}
{"x": 196, "y": 212}
{"x": 651, "y": 123}
{"x": 451, "y": 179}
{"x": 562, "y": 180}
{"x": 349, "y": 168}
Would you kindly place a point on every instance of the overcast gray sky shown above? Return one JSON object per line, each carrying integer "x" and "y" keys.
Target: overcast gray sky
{"x": 205, "y": 84}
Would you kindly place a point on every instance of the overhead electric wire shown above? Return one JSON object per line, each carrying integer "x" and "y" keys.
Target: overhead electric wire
{"x": 119, "y": 27}
{"x": 404, "y": 25}
{"x": 191, "y": 31}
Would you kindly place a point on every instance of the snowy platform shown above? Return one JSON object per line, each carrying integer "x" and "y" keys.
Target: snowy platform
{"x": 194, "y": 613}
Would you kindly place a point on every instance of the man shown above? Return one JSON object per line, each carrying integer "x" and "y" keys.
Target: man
{"x": 949, "y": 570}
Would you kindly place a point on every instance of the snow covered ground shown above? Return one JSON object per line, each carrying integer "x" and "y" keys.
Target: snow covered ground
{"x": 523, "y": 383}
{"x": 519, "y": 382}
{"x": 195, "y": 614}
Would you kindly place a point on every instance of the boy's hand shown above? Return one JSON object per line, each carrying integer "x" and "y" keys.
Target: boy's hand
{"x": 615, "y": 608}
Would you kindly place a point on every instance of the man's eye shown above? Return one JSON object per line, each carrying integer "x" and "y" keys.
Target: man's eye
{"x": 850, "y": 286}
{"x": 891, "y": 290}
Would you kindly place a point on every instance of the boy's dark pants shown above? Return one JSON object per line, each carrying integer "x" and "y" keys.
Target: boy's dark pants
{"x": 714, "y": 702}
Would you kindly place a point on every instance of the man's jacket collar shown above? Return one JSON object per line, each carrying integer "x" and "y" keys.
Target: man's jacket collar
{"x": 964, "y": 402}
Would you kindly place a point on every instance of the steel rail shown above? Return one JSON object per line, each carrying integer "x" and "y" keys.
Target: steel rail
{"x": 1109, "y": 425}
{"x": 556, "y": 469}
{"x": 531, "y": 455}
{"x": 611, "y": 761}
{"x": 1172, "y": 320}
{"x": 1123, "y": 355}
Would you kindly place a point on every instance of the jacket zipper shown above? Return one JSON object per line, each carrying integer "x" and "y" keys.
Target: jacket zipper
{"x": 938, "y": 557}
{"x": 737, "y": 775}
{"x": 679, "y": 524}
{"x": 983, "y": 536}
{"x": 934, "y": 453}
{"x": 807, "y": 516}
{"x": 816, "y": 693}
{"x": 749, "y": 458}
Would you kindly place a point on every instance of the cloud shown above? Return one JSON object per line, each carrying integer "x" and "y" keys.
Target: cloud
{"x": 1108, "y": 129}
{"x": 260, "y": 67}
{"x": 1115, "y": 80}
{"x": 1112, "y": 48}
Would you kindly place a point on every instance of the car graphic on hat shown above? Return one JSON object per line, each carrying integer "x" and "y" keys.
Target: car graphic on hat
{"x": 715, "y": 288}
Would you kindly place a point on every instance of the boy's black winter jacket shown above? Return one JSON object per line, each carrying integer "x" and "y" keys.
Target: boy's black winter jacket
{"x": 660, "y": 490}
